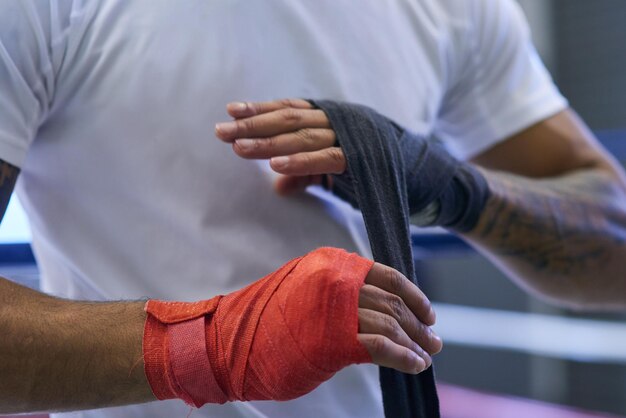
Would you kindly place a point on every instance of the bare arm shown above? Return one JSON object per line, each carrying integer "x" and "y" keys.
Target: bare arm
{"x": 61, "y": 355}
{"x": 556, "y": 220}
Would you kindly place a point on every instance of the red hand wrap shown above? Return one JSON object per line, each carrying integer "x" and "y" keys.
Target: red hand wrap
{"x": 276, "y": 339}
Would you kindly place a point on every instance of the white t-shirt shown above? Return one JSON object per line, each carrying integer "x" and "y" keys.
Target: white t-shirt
{"x": 108, "y": 107}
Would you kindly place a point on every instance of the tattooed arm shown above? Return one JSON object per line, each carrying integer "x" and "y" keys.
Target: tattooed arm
{"x": 556, "y": 219}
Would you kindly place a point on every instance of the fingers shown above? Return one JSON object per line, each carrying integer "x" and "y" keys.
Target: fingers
{"x": 303, "y": 140}
{"x": 385, "y": 352}
{"x": 392, "y": 281}
{"x": 271, "y": 124}
{"x": 326, "y": 161}
{"x": 302, "y": 153}
{"x": 295, "y": 137}
{"x": 247, "y": 109}
{"x": 394, "y": 319}
{"x": 393, "y": 308}
{"x": 377, "y": 323}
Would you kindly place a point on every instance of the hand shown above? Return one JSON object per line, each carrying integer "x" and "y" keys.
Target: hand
{"x": 394, "y": 315}
{"x": 296, "y": 138}
{"x": 394, "y": 321}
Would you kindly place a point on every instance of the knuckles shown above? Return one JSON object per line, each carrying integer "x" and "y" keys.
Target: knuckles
{"x": 329, "y": 264}
{"x": 378, "y": 345}
{"x": 290, "y": 115}
{"x": 395, "y": 280}
{"x": 287, "y": 103}
{"x": 338, "y": 159}
{"x": 246, "y": 125}
{"x": 391, "y": 326}
{"x": 395, "y": 307}
{"x": 305, "y": 136}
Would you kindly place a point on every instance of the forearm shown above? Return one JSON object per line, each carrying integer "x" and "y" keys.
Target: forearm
{"x": 60, "y": 355}
{"x": 561, "y": 237}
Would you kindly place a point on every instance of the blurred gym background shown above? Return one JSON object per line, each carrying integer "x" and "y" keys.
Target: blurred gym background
{"x": 561, "y": 356}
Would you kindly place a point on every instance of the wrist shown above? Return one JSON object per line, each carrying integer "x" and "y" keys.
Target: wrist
{"x": 463, "y": 201}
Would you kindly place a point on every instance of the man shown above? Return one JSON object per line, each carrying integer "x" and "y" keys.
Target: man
{"x": 107, "y": 111}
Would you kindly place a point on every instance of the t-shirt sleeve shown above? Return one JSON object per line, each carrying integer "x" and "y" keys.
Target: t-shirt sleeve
{"x": 500, "y": 86}
{"x": 30, "y": 38}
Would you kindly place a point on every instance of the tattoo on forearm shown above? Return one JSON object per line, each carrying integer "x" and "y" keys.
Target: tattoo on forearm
{"x": 568, "y": 225}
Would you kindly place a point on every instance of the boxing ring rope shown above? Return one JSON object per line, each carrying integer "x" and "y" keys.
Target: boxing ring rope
{"x": 587, "y": 340}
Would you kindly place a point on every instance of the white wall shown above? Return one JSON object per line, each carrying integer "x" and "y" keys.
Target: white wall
{"x": 539, "y": 14}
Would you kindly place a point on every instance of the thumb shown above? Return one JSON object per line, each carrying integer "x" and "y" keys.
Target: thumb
{"x": 289, "y": 185}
